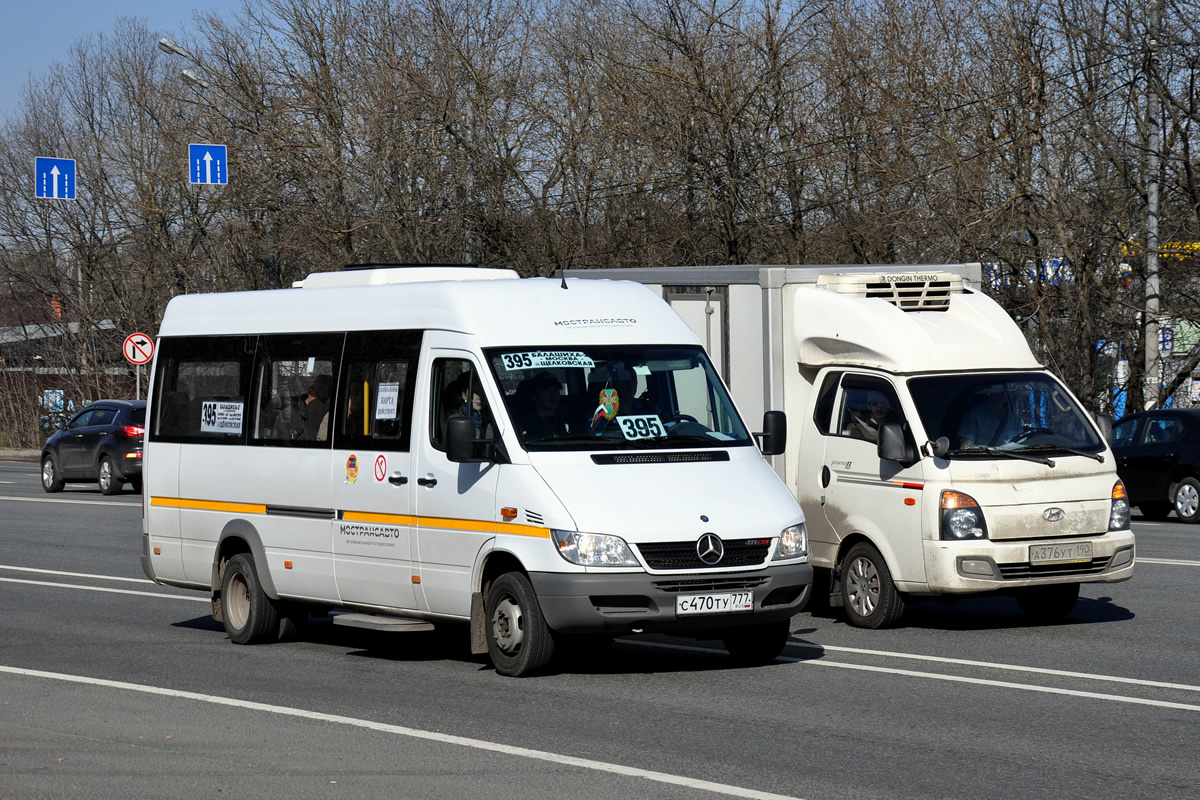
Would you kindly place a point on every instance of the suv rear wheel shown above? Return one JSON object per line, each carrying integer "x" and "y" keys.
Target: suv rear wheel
{"x": 109, "y": 482}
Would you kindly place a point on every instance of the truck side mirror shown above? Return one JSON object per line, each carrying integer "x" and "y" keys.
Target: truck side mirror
{"x": 773, "y": 438}
{"x": 892, "y": 444}
{"x": 460, "y": 440}
{"x": 1104, "y": 422}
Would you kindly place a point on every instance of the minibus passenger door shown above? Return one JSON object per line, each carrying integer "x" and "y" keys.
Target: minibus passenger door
{"x": 455, "y": 504}
{"x": 373, "y": 434}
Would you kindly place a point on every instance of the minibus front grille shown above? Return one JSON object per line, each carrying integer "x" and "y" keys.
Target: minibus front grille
{"x": 711, "y": 584}
{"x": 1021, "y": 570}
{"x": 683, "y": 555}
{"x": 659, "y": 458}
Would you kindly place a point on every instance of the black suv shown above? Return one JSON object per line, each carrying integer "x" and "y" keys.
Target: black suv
{"x": 1158, "y": 459}
{"x": 102, "y": 443}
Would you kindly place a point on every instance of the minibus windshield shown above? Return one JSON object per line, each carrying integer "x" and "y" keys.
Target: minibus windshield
{"x": 597, "y": 397}
{"x": 1006, "y": 415}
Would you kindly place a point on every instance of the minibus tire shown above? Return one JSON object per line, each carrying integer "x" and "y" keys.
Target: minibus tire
{"x": 518, "y": 640}
{"x": 1048, "y": 603}
{"x": 249, "y": 615}
{"x": 869, "y": 595}
{"x": 755, "y": 645}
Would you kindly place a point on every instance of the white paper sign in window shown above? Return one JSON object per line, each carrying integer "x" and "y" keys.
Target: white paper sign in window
{"x": 387, "y": 403}
{"x": 220, "y": 417}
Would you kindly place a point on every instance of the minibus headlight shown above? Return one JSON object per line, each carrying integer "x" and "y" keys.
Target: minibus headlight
{"x": 1118, "y": 516}
{"x": 793, "y": 543}
{"x": 962, "y": 518}
{"x": 593, "y": 549}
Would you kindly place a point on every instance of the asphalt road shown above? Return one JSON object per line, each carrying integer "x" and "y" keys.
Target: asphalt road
{"x": 112, "y": 687}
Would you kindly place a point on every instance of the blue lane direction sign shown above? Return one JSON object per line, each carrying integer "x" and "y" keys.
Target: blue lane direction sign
{"x": 55, "y": 178}
{"x": 207, "y": 163}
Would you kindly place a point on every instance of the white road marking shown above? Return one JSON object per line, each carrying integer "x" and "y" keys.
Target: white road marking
{"x": 75, "y": 574}
{"x": 1168, "y": 561}
{"x": 938, "y": 676}
{"x": 415, "y": 733}
{"x": 112, "y": 503}
{"x": 106, "y": 589}
{"x": 798, "y": 645}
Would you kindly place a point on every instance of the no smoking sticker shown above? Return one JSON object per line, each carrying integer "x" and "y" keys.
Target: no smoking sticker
{"x": 380, "y": 468}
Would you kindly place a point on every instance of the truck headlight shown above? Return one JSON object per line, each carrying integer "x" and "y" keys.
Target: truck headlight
{"x": 962, "y": 518}
{"x": 793, "y": 543}
{"x": 1118, "y": 516}
{"x": 593, "y": 549}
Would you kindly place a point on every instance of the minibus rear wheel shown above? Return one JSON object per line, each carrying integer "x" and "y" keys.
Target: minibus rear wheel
{"x": 518, "y": 639}
{"x": 755, "y": 645}
{"x": 249, "y": 615}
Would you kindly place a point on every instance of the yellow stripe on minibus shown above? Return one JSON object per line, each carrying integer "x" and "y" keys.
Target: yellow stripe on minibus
{"x": 209, "y": 505}
{"x": 366, "y": 516}
{"x": 383, "y": 519}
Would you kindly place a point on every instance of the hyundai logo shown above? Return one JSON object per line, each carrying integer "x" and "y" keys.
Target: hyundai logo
{"x": 710, "y": 548}
{"x": 1053, "y": 514}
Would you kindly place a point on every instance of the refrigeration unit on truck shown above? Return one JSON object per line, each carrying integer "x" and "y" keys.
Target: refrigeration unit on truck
{"x": 931, "y": 452}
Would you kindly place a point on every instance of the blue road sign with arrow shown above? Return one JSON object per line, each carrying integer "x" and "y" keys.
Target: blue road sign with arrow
{"x": 54, "y": 178}
{"x": 207, "y": 163}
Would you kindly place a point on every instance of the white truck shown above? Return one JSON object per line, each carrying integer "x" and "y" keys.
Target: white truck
{"x": 932, "y": 454}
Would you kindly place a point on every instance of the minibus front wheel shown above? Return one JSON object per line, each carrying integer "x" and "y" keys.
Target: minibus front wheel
{"x": 249, "y": 615}
{"x": 518, "y": 640}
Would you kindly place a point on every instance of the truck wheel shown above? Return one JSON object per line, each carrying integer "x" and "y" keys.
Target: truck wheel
{"x": 869, "y": 596}
{"x": 109, "y": 482}
{"x": 755, "y": 645}
{"x": 1187, "y": 500}
{"x": 518, "y": 639}
{"x": 51, "y": 481}
{"x": 249, "y": 615}
{"x": 1048, "y": 603}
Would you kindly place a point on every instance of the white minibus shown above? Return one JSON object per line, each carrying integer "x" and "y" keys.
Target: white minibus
{"x": 539, "y": 459}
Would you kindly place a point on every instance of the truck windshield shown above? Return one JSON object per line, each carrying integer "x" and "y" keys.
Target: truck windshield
{"x": 598, "y": 397}
{"x": 1003, "y": 414}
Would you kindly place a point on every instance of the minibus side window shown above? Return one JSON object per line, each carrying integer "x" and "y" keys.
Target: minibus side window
{"x": 293, "y": 389}
{"x": 376, "y": 390}
{"x": 457, "y": 392}
{"x": 200, "y": 389}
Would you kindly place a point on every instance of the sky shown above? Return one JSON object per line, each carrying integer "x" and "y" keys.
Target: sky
{"x": 34, "y": 34}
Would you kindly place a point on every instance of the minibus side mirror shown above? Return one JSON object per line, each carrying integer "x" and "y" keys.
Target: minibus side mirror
{"x": 1104, "y": 422}
{"x": 773, "y": 438}
{"x": 892, "y": 445}
{"x": 460, "y": 440}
